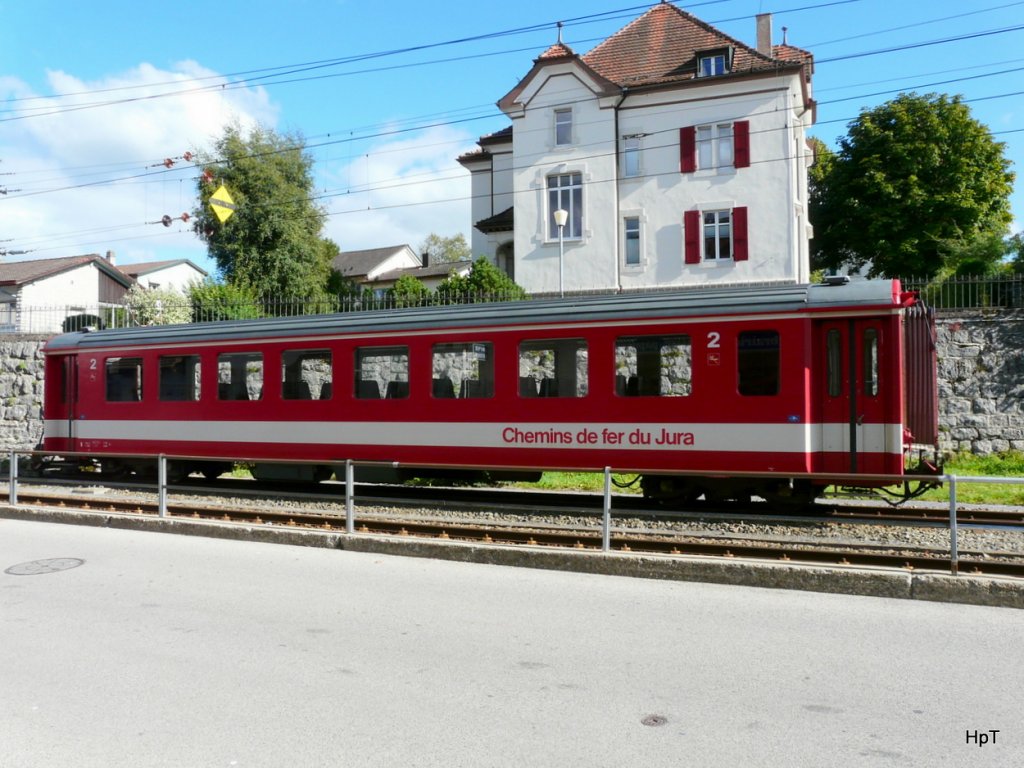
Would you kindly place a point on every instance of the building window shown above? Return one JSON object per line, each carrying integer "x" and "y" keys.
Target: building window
{"x": 711, "y": 65}
{"x": 631, "y": 156}
{"x": 711, "y": 236}
{"x": 719, "y": 145}
{"x": 565, "y": 192}
{"x": 717, "y": 235}
{"x": 631, "y": 236}
{"x": 715, "y": 146}
{"x": 563, "y": 126}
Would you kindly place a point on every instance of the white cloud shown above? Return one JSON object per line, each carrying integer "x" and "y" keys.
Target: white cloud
{"x": 85, "y": 172}
{"x": 399, "y": 191}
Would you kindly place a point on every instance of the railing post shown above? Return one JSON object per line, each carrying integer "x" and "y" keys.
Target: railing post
{"x": 12, "y": 492}
{"x": 954, "y": 556}
{"x": 606, "y": 523}
{"x": 161, "y": 479}
{"x": 350, "y": 521}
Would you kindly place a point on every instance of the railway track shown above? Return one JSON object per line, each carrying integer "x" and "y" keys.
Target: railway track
{"x": 580, "y": 537}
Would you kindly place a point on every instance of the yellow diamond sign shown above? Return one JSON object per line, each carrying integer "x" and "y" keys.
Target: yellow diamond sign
{"x": 222, "y": 204}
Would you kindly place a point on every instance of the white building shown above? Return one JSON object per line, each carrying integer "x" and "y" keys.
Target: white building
{"x": 378, "y": 269}
{"x": 175, "y": 275}
{"x": 39, "y": 296}
{"x": 678, "y": 152}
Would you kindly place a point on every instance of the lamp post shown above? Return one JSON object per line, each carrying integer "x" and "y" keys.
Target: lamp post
{"x": 561, "y": 216}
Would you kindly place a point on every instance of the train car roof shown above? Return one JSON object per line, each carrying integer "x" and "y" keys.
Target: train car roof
{"x": 692, "y": 302}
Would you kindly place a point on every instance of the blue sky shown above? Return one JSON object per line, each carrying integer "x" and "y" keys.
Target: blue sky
{"x": 387, "y": 96}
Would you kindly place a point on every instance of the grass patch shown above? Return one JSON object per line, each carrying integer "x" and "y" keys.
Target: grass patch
{"x": 1009, "y": 464}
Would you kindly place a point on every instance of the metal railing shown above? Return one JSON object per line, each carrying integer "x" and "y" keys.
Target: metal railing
{"x": 1004, "y": 292}
{"x": 349, "y": 466}
{"x": 962, "y": 292}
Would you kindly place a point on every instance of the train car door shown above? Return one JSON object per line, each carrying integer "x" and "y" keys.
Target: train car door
{"x": 854, "y": 402}
{"x": 61, "y": 388}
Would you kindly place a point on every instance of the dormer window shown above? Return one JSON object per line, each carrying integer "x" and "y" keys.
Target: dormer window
{"x": 716, "y": 62}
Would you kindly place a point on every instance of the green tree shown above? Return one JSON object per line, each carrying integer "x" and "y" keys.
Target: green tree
{"x": 157, "y": 306}
{"x": 485, "y": 282}
{"x": 916, "y": 182}
{"x": 409, "y": 291}
{"x": 272, "y": 242}
{"x": 213, "y": 301}
{"x": 441, "y": 250}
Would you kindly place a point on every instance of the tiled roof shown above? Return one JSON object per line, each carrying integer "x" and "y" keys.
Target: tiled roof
{"x": 558, "y": 51}
{"x": 661, "y": 47}
{"x": 792, "y": 53}
{"x": 434, "y": 270}
{"x": 22, "y": 272}
{"x": 361, "y": 263}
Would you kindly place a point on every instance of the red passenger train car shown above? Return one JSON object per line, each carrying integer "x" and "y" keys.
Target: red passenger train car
{"x": 783, "y": 381}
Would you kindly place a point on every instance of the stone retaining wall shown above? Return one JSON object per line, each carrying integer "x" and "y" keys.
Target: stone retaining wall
{"x": 21, "y": 391}
{"x": 981, "y": 381}
{"x": 981, "y": 384}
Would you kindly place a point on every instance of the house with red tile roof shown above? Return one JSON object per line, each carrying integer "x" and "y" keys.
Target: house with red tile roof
{"x": 678, "y": 154}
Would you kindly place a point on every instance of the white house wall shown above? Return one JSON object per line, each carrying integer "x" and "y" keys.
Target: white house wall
{"x": 589, "y": 262}
{"x": 43, "y": 301}
{"x": 175, "y": 278}
{"x": 772, "y": 188}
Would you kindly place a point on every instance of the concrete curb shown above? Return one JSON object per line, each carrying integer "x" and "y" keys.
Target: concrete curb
{"x": 847, "y": 580}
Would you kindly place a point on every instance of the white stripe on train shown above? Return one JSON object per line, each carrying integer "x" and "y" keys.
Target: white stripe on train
{"x": 757, "y": 438}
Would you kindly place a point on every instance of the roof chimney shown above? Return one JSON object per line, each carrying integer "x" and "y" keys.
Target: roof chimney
{"x": 110, "y": 257}
{"x": 764, "y": 33}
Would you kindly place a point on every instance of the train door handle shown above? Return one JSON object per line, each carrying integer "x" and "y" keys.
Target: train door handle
{"x": 860, "y": 420}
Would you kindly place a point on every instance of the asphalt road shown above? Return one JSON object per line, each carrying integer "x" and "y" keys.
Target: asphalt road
{"x": 162, "y": 650}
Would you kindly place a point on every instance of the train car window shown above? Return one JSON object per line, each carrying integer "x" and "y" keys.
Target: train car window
{"x": 306, "y": 374}
{"x": 871, "y": 362}
{"x": 179, "y": 377}
{"x": 834, "y": 362}
{"x": 464, "y": 370}
{"x": 553, "y": 368}
{"x": 758, "y": 363}
{"x": 382, "y": 372}
{"x": 124, "y": 379}
{"x": 653, "y": 366}
{"x": 240, "y": 376}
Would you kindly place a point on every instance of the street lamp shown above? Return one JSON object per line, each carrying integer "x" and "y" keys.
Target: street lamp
{"x": 561, "y": 216}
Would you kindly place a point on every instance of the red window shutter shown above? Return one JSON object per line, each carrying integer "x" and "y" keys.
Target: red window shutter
{"x": 688, "y": 149}
{"x": 739, "y": 234}
{"x": 741, "y": 143}
{"x": 691, "y": 237}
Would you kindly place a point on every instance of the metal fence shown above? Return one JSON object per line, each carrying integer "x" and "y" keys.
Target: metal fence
{"x": 955, "y": 293}
{"x": 962, "y": 292}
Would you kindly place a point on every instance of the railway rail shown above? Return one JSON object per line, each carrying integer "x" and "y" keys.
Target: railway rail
{"x": 581, "y": 537}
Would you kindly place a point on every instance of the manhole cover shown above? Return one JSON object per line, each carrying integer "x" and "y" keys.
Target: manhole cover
{"x": 654, "y": 720}
{"x": 39, "y": 567}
